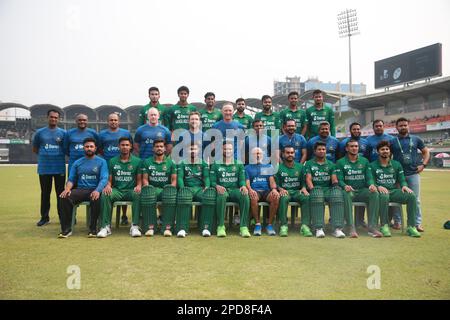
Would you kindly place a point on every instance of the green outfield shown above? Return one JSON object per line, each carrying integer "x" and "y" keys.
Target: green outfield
{"x": 34, "y": 263}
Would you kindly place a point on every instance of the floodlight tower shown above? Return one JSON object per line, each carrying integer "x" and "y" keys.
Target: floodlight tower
{"x": 348, "y": 27}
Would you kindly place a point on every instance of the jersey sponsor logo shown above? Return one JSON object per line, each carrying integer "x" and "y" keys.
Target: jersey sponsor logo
{"x": 88, "y": 177}
{"x": 112, "y": 148}
{"x": 49, "y": 146}
{"x": 78, "y": 146}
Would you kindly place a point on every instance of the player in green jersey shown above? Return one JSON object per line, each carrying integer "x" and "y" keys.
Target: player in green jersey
{"x": 240, "y": 115}
{"x": 228, "y": 177}
{"x": 209, "y": 115}
{"x": 322, "y": 183}
{"x": 356, "y": 179}
{"x": 294, "y": 112}
{"x": 270, "y": 119}
{"x": 177, "y": 117}
{"x": 318, "y": 113}
{"x": 153, "y": 94}
{"x": 194, "y": 184}
{"x": 159, "y": 182}
{"x": 124, "y": 184}
{"x": 388, "y": 174}
{"x": 290, "y": 182}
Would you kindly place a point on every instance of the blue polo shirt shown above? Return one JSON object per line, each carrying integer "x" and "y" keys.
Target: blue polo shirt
{"x": 109, "y": 142}
{"x": 332, "y": 147}
{"x": 297, "y": 141}
{"x": 74, "y": 143}
{"x": 372, "y": 142}
{"x": 259, "y": 175}
{"x": 146, "y": 134}
{"x": 405, "y": 149}
{"x": 362, "y": 146}
{"x": 89, "y": 173}
{"x": 51, "y": 154}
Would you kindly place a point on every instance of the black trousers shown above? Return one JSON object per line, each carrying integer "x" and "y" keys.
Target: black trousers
{"x": 46, "y": 181}
{"x": 77, "y": 196}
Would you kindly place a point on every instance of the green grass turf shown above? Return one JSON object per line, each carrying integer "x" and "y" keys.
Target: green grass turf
{"x": 33, "y": 262}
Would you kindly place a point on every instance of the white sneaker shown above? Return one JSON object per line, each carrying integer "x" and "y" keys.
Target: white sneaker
{"x": 167, "y": 233}
{"x": 236, "y": 220}
{"x": 181, "y": 234}
{"x": 206, "y": 233}
{"x": 320, "y": 233}
{"x": 103, "y": 233}
{"x": 338, "y": 233}
{"x": 134, "y": 231}
{"x": 150, "y": 233}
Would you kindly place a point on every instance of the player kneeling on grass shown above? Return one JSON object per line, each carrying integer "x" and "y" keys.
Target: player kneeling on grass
{"x": 261, "y": 186}
{"x": 228, "y": 178}
{"x": 90, "y": 175}
{"x": 356, "y": 179}
{"x": 322, "y": 182}
{"x": 388, "y": 174}
{"x": 159, "y": 183}
{"x": 124, "y": 184}
{"x": 194, "y": 184}
{"x": 290, "y": 182}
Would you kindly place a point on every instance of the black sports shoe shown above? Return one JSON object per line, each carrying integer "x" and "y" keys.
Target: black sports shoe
{"x": 65, "y": 234}
{"x": 43, "y": 222}
{"x": 92, "y": 234}
{"x": 124, "y": 221}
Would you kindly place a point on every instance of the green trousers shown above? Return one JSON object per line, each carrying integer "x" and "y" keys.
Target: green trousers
{"x": 396, "y": 195}
{"x": 361, "y": 195}
{"x": 168, "y": 209}
{"x": 106, "y": 202}
{"x": 184, "y": 210}
{"x": 335, "y": 199}
{"x": 233, "y": 195}
{"x": 294, "y": 196}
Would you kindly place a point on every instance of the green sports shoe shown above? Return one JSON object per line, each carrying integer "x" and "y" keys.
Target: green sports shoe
{"x": 243, "y": 231}
{"x": 412, "y": 232}
{"x": 283, "y": 231}
{"x": 385, "y": 231}
{"x": 221, "y": 231}
{"x": 305, "y": 231}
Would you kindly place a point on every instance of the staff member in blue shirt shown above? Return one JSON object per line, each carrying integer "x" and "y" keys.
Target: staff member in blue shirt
{"x": 293, "y": 139}
{"x": 48, "y": 144}
{"x": 90, "y": 175}
{"x": 331, "y": 142}
{"x": 404, "y": 148}
{"x": 375, "y": 139}
{"x": 355, "y": 134}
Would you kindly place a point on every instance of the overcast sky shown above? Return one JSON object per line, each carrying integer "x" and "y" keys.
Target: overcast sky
{"x": 110, "y": 52}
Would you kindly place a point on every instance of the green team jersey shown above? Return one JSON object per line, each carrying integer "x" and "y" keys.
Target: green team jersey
{"x": 290, "y": 178}
{"x": 177, "y": 117}
{"x": 388, "y": 176}
{"x": 124, "y": 173}
{"x": 321, "y": 172}
{"x": 246, "y": 120}
{"x": 299, "y": 116}
{"x": 356, "y": 174}
{"x": 314, "y": 117}
{"x": 229, "y": 176}
{"x": 209, "y": 118}
{"x": 193, "y": 174}
{"x": 271, "y": 121}
{"x": 159, "y": 174}
{"x": 143, "y": 118}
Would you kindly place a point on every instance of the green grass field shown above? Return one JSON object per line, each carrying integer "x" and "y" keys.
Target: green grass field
{"x": 33, "y": 262}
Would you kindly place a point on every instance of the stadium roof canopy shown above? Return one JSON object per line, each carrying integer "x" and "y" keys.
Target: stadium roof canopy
{"x": 380, "y": 99}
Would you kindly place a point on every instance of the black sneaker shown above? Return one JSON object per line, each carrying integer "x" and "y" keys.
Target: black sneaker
{"x": 92, "y": 234}
{"x": 124, "y": 221}
{"x": 65, "y": 234}
{"x": 43, "y": 222}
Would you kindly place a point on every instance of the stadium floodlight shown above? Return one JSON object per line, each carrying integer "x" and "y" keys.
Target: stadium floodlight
{"x": 348, "y": 27}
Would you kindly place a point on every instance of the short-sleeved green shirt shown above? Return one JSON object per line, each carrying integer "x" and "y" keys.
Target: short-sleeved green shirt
{"x": 299, "y": 116}
{"x": 246, "y": 120}
{"x": 159, "y": 174}
{"x": 290, "y": 178}
{"x": 321, "y": 172}
{"x": 271, "y": 121}
{"x": 356, "y": 174}
{"x": 177, "y": 117}
{"x": 209, "y": 118}
{"x": 229, "y": 176}
{"x": 388, "y": 176}
{"x": 193, "y": 174}
{"x": 314, "y": 117}
{"x": 124, "y": 173}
